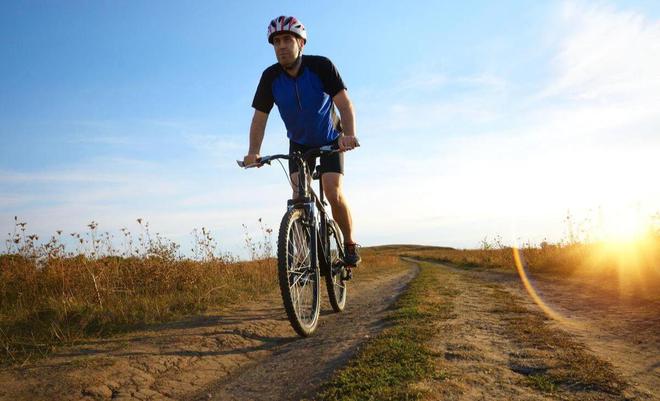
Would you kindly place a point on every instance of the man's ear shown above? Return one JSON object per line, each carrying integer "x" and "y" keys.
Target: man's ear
{"x": 301, "y": 43}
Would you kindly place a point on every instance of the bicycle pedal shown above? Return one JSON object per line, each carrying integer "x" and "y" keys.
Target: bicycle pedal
{"x": 347, "y": 274}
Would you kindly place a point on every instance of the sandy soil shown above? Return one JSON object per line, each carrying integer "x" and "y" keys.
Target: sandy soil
{"x": 622, "y": 330}
{"x": 243, "y": 353}
{"x": 475, "y": 357}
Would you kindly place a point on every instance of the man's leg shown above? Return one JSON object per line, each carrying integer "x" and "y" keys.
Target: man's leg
{"x": 332, "y": 187}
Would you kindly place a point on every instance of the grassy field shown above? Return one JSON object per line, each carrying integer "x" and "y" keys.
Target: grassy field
{"x": 49, "y": 297}
{"x": 634, "y": 267}
{"x": 66, "y": 299}
{"x": 560, "y": 258}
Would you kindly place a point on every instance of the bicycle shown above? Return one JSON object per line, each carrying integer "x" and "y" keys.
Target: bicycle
{"x": 309, "y": 245}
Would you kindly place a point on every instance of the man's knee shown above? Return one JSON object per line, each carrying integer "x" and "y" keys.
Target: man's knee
{"x": 333, "y": 189}
{"x": 335, "y": 197}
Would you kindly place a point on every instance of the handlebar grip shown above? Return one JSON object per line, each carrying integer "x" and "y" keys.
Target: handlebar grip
{"x": 329, "y": 148}
{"x": 260, "y": 162}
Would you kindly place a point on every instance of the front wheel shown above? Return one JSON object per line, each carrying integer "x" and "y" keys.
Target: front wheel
{"x": 334, "y": 280}
{"x": 299, "y": 277}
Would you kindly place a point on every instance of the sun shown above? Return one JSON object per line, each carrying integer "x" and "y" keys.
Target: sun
{"x": 621, "y": 226}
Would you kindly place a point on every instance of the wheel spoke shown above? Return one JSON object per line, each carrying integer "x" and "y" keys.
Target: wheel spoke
{"x": 296, "y": 280}
{"x": 301, "y": 288}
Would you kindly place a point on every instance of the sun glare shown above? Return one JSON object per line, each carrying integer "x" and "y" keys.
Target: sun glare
{"x": 627, "y": 245}
{"x": 617, "y": 226}
{"x": 623, "y": 226}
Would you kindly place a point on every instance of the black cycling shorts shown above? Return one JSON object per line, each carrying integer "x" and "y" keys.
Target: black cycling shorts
{"x": 330, "y": 163}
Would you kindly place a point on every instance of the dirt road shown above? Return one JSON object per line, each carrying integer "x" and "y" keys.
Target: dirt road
{"x": 243, "y": 353}
{"x": 251, "y": 353}
{"x": 618, "y": 328}
{"x": 491, "y": 351}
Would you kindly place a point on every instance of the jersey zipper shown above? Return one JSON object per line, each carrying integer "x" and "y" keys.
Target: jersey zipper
{"x": 295, "y": 83}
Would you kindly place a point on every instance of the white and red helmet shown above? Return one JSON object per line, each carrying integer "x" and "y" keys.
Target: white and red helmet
{"x": 286, "y": 24}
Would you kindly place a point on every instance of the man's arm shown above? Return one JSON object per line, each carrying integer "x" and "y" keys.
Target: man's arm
{"x": 345, "y": 106}
{"x": 257, "y": 131}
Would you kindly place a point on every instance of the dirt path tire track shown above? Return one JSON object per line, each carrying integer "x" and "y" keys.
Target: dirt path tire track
{"x": 297, "y": 369}
{"x": 621, "y": 330}
{"x": 482, "y": 363}
{"x": 475, "y": 354}
{"x": 202, "y": 356}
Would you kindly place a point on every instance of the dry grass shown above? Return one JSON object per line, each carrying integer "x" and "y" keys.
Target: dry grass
{"x": 50, "y": 297}
{"x": 69, "y": 298}
{"x": 637, "y": 260}
{"x": 374, "y": 260}
{"x": 629, "y": 271}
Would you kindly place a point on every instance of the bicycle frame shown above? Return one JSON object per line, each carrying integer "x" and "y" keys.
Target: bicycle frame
{"x": 303, "y": 257}
{"x": 309, "y": 201}
{"x": 312, "y": 203}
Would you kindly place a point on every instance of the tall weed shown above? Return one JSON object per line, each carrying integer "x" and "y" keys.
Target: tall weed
{"x": 50, "y": 296}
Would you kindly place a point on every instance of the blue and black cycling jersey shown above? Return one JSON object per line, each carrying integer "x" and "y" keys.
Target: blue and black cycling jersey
{"x": 305, "y": 101}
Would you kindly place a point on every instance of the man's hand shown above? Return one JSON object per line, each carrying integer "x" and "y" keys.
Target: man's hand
{"x": 348, "y": 142}
{"x": 251, "y": 158}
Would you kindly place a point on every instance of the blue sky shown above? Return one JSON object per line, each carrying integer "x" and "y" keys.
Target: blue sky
{"x": 477, "y": 119}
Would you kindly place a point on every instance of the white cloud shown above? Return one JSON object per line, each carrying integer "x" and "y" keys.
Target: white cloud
{"x": 608, "y": 55}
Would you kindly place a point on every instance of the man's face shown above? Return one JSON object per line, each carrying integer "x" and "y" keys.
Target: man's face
{"x": 287, "y": 48}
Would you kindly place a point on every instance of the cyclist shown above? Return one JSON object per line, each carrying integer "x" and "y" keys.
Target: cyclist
{"x": 306, "y": 90}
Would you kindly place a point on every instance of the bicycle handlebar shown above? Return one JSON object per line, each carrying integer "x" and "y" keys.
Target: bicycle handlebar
{"x": 310, "y": 153}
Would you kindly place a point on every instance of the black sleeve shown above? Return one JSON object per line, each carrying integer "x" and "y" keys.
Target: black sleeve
{"x": 332, "y": 82}
{"x": 263, "y": 97}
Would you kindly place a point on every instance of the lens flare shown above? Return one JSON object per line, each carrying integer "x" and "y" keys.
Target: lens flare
{"x": 520, "y": 267}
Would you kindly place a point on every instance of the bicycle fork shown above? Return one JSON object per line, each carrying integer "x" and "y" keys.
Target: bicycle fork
{"x": 310, "y": 224}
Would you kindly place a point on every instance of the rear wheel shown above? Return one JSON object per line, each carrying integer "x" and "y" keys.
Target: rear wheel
{"x": 334, "y": 280}
{"x": 299, "y": 278}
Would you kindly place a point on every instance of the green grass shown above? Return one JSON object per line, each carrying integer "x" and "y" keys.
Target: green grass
{"x": 542, "y": 382}
{"x": 388, "y": 366}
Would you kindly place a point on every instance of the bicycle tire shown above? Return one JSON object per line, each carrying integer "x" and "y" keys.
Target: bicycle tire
{"x": 299, "y": 278}
{"x": 334, "y": 282}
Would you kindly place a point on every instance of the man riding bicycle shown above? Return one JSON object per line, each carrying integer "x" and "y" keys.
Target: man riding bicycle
{"x": 306, "y": 90}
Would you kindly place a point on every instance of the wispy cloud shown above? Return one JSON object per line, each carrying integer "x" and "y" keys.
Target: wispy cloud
{"x": 608, "y": 55}
{"x": 585, "y": 137}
